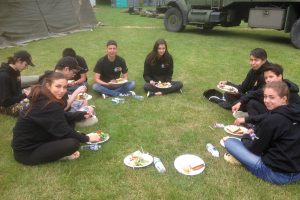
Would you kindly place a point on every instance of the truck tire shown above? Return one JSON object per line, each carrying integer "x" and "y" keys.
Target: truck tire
{"x": 173, "y": 20}
{"x": 295, "y": 34}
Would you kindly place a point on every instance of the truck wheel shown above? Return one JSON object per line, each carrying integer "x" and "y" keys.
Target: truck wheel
{"x": 295, "y": 34}
{"x": 173, "y": 20}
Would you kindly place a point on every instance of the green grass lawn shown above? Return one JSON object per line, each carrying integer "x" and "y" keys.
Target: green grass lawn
{"x": 166, "y": 126}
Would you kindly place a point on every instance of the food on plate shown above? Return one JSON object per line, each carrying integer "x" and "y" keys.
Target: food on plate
{"x": 71, "y": 81}
{"x": 102, "y": 135}
{"x": 197, "y": 167}
{"x": 163, "y": 85}
{"x": 82, "y": 96}
{"x": 235, "y": 129}
{"x": 120, "y": 80}
{"x": 188, "y": 169}
{"x": 228, "y": 88}
{"x": 136, "y": 159}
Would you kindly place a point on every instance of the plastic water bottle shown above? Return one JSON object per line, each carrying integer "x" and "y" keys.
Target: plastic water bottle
{"x": 137, "y": 97}
{"x": 212, "y": 150}
{"x": 118, "y": 100}
{"x": 93, "y": 147}
{"x": 158, "y": 165}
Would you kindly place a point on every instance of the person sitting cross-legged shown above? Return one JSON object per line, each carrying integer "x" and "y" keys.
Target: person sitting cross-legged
{"x": 111, "y": 74}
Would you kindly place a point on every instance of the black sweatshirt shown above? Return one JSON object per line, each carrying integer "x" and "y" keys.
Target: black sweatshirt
{"x": 279, "y": 139}
{"x": 294, "y": 98}
{"x": 44, "y": 123}
{"x": 10, "y": 86}
{"x": 159, "y": 71}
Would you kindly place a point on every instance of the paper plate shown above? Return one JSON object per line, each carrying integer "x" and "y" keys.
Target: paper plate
{"x": 163, "y": 85}
{"x": 100, "y": 142}
{"x": 228, "y": 88}
{"x": 228, "y": 128}
{"x": 130, "y": 162}
{"x": 186, "y": 162}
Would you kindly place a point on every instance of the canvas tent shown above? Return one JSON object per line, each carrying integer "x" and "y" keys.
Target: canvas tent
{"x": 26, "y": 20}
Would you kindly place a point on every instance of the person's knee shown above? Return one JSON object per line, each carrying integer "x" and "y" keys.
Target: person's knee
{"x": 131, "y": 85}
{"x": 96, "y": 87}
{"x": 72, "y": 143}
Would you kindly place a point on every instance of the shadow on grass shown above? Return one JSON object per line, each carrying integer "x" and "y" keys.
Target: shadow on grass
{"x": 283, "y": 40}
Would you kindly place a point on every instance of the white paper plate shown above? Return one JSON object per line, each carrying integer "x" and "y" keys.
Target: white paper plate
{"x": 163, "y": 85}
{"x": 228, "y": 88}
{"x": 148, "y": 158}
{"x": 100, "y": 142}
{"x": 227, "y": 130}
{"x": 185, "y": 161}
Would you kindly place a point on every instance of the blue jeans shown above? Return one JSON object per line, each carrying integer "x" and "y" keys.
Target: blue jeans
{"x": 72, "y": 88}
{"x": 255, "y": 165}
{"x": 123, "y": 89}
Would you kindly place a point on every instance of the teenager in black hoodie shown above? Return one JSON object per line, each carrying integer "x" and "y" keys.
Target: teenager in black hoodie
{"x": 274, "y": 155}
{"x": 42, "y": 133}
{"x": 253, "y": 81}
{"x": 10, "y": 83}
{"x": 255, "y": 105}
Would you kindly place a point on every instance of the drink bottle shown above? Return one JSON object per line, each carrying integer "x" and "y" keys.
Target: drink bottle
{"x": 158, "y": 165}
{"x": 93, "y": 147}
{"x": 137, "y": 97}
{"x": 212, "y": 150}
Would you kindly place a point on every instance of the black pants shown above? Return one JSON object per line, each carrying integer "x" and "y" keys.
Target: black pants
{"x": 176, "y": 86}
{"x": 48, "y": 152}
{"x": 255, "y": 107}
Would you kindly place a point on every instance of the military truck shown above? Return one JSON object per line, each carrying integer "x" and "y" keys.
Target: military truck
{"x": 271, "y": 14}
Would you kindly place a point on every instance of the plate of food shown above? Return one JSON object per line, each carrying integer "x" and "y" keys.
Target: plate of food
{"x": 70, "y": 81}
{"x": 83, "y": 96}
{"x": 163, "y": 85}
{"x": 103, "y": 137}
{"x": 235, "y": 130}
{"x": 189, "y": 164}
{"x": 228, "y": 88}
{"x": 138, "y": 159}
{"x": 118, "y": 81}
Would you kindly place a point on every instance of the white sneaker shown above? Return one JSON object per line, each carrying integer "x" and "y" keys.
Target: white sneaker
{"x": 103, "y": 96}
{"x": 132, "y": 93}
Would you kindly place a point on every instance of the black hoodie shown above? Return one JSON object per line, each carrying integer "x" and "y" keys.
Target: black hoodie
{"x": 10, "y": 86}
{"x": 279, "y": 139}
{"x": 44, "y": 123}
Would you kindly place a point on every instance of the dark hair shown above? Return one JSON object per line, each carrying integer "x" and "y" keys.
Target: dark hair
{"x": 68, "y": 61}
{"x": 22, "y": 56}
{"x": 111, "y": 42}
{"x": 42, "y": 89}
{"x": 280, "y": 87}
{"x": 153, "y": 57}
{"x": 69, "y": 52}
{"x": 259, "y": 53}
{"x": 275, "y": 68}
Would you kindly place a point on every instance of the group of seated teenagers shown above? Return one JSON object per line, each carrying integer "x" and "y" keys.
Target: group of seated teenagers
{"x": 44, "y": 131}
{"x": 45, "y": 128}
{"x": 270, "y": 106}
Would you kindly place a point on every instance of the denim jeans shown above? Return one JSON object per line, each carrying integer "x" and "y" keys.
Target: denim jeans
{"x": 255, "y": 165}
{"x": 72, "y": 88}
{"x": 123, "y": 89}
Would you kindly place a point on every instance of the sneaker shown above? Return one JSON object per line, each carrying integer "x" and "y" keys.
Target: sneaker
{"x": 104, "y": 96}
{"x": 132, "y": 93}
{"x": 232, "y": 160}
{"x": 124, "y": 95}
{"x": 180, "y": 91}
{"x": 150, "y": 94}
{"x": 215, "y": 99}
